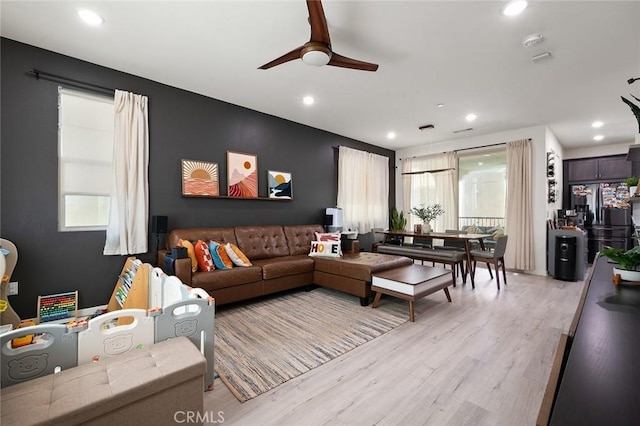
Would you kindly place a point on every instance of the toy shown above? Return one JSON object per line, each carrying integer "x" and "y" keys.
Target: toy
{"x": 25, "y": 339}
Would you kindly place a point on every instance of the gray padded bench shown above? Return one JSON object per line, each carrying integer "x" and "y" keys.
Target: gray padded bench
{"x": 446, "y": 257}
{"x": 158, "y": 384}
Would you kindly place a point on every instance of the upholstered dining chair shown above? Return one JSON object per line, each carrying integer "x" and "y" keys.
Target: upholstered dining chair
{"x": 454, "y": 245}
{"x": 495, "y": 257}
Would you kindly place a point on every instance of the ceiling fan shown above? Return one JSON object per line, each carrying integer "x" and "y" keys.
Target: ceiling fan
{"x": 317, "y": 51}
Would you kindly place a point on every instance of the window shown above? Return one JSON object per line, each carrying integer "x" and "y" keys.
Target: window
{"x": 85, "y": 150}
{"x": 482, "y": 188}
{"x": 363, "y": 189}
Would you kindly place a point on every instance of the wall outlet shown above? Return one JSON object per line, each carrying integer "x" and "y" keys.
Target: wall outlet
{"x": 12, "y": 289}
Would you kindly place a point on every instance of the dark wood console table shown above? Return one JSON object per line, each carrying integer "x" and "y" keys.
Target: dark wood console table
{"x": 600, "y": 384}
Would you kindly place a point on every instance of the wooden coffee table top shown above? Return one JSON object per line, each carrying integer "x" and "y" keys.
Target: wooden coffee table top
{"x": 412, "y": 274}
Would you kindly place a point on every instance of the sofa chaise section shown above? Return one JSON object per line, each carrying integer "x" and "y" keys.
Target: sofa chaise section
{"x": 351, "y": 273}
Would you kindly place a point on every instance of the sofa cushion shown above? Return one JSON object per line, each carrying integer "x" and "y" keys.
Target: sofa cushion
{"x": 284, "y": 266}
{"x": 328, "y": 236}
{"x": 220, "y": 256}
{"x": 262, "y": 242}
{"x": 325, "y": 248}
{"x": 236, "y": 255}
{"x": 299, "y": 237}
{"x": 191, "y": 251}
{"x": 203, "y": 256}
{"x": 224, "y": 278}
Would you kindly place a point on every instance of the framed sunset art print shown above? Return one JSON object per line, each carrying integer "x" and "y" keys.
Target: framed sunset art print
{"x": 280, "y": 185}
{"x": 200, "y": 179}
{"x": 242, "y": 175}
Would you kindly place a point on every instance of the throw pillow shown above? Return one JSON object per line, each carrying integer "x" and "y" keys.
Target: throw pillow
{"x": 219, "y": 256}
{"x": 325, "y": 248}
{"x": 329, "y": 236}
{"x": 203, "y": 256}
{"x": 498, "y": 233}
{"x": 236, "y": 255}
{"x": 191, "y": 252}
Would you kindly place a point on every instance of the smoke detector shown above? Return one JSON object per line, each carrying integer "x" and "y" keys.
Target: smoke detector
{"x": 532, "y": 40}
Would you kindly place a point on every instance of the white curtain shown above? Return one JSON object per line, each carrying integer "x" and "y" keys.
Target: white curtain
{"x": 363, "y": 189}
{"x": 519, "y": 218}
{"x": 431, "y": 188}
{"x": 128, "y": 215}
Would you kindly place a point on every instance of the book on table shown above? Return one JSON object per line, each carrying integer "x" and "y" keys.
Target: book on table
{"x": 412, "y": 284}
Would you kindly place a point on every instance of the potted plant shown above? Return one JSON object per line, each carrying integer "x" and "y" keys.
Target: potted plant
{"x": 427, "y": 214}
{"x": 628, "y": 262}
{"x": 397, "y": 220}
{"x": 632, "y": 183}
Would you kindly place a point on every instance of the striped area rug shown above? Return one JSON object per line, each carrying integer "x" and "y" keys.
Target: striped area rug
{"x": 260, "y": 345}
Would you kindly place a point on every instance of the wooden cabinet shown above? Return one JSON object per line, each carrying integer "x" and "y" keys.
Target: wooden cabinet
{"x": 598, "y": 169}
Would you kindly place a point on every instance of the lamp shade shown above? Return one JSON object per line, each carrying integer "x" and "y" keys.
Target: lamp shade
{"x": 316, "y": 58}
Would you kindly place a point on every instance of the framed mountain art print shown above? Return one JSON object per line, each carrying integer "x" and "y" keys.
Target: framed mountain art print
{"x": 279, "y": 185}
{"x": 242, "y": 175}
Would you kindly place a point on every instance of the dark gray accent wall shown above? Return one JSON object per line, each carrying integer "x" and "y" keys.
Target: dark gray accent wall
{"x": 182, "y": 125}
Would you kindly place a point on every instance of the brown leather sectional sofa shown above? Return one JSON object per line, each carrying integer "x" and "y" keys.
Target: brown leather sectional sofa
{"x": 280, "y": 261}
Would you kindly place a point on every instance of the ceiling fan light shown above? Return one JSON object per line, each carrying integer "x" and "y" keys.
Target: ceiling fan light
{"x": 317, "y": 58}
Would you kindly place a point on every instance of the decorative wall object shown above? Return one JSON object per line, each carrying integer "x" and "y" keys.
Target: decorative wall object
{"x": 242, "y": 175}
{"x": 200, "y": 178}
{"x": 280, "y": 185}
{"x": 551, "y": 177}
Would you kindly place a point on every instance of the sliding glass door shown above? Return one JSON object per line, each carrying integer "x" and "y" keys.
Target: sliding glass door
{"x": 482, "y": 186}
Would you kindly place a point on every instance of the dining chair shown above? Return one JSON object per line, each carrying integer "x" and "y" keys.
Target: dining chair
{"x": 495, "y": 257}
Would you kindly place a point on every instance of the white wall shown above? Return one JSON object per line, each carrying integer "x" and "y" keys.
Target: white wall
{"x": 597, "y": 151}
{"x": 538, "y": 136}
{"x": 552, "y": 144}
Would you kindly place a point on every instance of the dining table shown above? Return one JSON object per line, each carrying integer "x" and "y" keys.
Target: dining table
{"x": 464, "y": 237}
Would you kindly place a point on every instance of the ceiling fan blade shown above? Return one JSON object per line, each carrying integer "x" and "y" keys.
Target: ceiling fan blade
{"x": 318, "y": 22}
{"x": 427, "y": 171}
{"x": 294, "y": 54}
{"x": 344, "y": 62}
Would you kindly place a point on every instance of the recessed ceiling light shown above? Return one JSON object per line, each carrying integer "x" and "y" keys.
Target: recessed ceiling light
{"x": 471, "y": 117}
{"x": 597, "y": 124}
{"x": 440, "y": 105}
{"x": 89, "y": 17}
{"x": 514, "y": 7}
{"x": 598, "y": 137}
{"x": 391, "y": 135}
{"x": 308, "y": 100}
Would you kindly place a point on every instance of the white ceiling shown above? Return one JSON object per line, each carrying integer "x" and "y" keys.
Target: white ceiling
{"x": 463, "y": 54}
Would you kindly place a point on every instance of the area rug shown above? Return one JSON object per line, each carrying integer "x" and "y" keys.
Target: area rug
{"x": 260, "y": 345}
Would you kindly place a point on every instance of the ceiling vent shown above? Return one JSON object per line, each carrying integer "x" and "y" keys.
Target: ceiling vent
{"x": 541, "y": 56}
{"x": 468, "y": 129}
{"x": 532, "y": 40}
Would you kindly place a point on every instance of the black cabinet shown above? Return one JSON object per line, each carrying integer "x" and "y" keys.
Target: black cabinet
{"x": 598, "y": 169}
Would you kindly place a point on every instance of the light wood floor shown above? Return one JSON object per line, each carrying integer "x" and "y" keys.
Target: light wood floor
{"x": 483, "y": 359}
